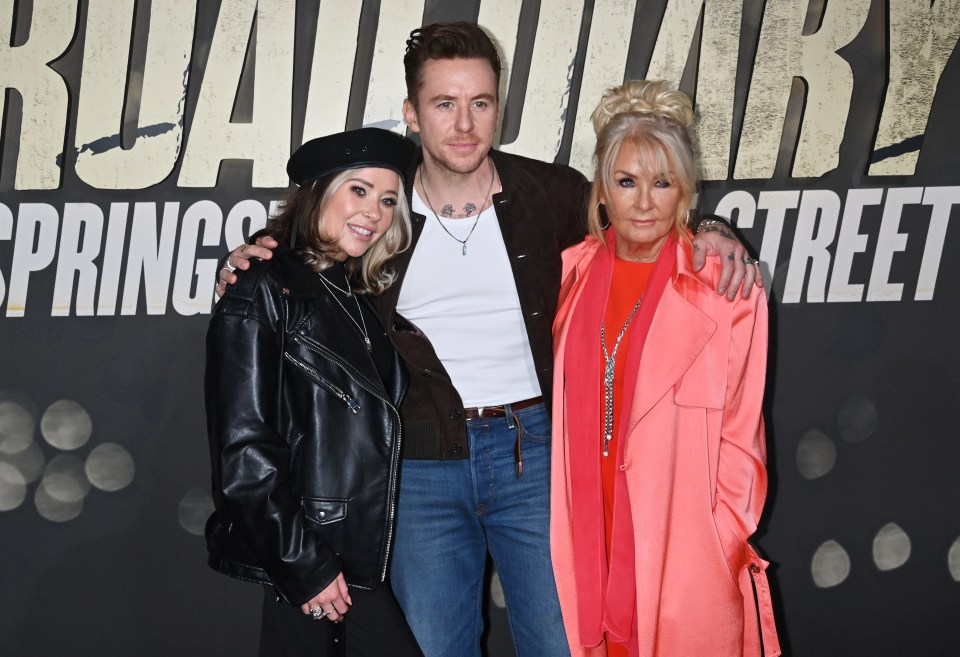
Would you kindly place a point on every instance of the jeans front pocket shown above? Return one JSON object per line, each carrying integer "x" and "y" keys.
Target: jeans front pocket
{"x": 534, "y": 423}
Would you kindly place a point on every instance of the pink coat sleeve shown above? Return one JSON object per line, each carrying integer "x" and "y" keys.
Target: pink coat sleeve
{"x": 741, "y": 471}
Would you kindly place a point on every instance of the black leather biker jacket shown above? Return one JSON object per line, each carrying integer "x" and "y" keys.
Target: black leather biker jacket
{"x": 304, "y": 438}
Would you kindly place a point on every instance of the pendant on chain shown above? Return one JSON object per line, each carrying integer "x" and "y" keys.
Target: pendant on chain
{"x": 609, "y": 370}
{"x": 447, "y": 210}
{"x": 362, "y": 324}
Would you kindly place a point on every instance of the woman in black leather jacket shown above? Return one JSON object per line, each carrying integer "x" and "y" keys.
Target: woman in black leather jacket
{"x": 302, "y": 390}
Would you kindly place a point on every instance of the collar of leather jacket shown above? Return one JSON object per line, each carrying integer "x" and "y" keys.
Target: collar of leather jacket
{"x": 298, "y": 280}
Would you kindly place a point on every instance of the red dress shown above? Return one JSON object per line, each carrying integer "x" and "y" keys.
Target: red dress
{"x": 629, "y": 282}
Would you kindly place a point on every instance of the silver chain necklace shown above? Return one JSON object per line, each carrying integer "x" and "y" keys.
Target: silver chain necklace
{"x": 346, "y": 292}
{"x": 483, "y": 202}
{"x": 609, "y": 367}
{"x": 362, "y": 325}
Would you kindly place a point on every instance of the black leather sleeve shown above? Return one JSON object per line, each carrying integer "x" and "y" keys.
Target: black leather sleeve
{"x": 252, "y": 444}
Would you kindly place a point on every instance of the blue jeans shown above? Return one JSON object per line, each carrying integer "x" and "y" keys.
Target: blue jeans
{"x": 451, "y": 513}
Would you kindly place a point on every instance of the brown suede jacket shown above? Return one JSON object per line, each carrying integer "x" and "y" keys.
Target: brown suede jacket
{"x": 541, "y": 211}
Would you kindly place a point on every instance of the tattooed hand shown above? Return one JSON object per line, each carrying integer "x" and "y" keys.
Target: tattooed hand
{"x": 739, "y": 272}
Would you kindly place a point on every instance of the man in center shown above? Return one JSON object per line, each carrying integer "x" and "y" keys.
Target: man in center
{"x": 472, "y": 317}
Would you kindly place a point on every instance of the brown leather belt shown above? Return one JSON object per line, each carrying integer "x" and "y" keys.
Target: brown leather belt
{"x": 499, "y": 411}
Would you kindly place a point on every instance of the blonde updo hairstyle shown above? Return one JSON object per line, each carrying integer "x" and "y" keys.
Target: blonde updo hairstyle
{"x": 656, "y": 121}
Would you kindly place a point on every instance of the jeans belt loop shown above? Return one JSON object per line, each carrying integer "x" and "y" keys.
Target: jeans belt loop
{"x": 509, "y": 416}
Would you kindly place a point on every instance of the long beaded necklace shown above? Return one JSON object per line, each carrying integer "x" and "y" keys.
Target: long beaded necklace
{"x": 361, "y": 325}
{"x": 609, "y": 366}
{"x": 469, "y": 206}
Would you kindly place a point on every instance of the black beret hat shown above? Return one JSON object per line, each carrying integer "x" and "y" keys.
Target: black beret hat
{"x": 354, "y": 149}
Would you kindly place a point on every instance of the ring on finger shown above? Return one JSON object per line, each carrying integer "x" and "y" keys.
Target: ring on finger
{"x": 317, "y": 613}
{"x": 751, "y": 261}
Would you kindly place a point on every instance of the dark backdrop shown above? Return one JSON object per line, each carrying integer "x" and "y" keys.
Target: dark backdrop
{"x": 103, "y": 462}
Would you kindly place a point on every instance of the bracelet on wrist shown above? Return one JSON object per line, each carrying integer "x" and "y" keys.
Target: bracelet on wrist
{"x": 711, "y": 222}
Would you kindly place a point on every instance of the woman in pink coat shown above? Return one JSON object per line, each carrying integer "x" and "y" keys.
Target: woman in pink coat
{"x": 659, "y": 473}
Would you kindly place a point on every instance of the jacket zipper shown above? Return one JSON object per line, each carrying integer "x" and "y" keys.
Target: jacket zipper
{"x": 391, "y": 515}
{"x": 329, "y": 387}
{"x": 302, "y": 340}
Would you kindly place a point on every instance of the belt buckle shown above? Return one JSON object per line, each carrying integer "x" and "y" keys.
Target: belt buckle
{"x": 494, "y": 411}
{"x": 484, "y": 412}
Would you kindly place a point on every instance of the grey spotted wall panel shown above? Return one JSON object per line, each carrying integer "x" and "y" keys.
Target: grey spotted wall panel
{"x": 140, "y": 141}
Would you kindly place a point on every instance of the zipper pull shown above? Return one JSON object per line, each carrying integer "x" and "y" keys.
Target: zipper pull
{"x": 352, "y": 403}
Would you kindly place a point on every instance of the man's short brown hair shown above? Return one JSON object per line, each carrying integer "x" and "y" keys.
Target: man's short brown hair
{"x": 457, "y": 40}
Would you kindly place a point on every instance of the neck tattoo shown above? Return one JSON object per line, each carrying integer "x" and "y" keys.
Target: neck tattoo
{"x": 468, "y": 208}
{"x": 447, "y": 210}
{"x": 609, "y": 367}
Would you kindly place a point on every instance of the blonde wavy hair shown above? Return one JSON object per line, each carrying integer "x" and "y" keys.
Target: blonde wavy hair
{"x": 657, "y": 122}
{"x": 368, "y": 274}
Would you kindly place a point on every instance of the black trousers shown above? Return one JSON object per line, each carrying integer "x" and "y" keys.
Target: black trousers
{"x": 373, "y": 627}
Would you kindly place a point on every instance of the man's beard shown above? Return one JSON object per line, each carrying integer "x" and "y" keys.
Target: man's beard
{"x": 458, "y": 166}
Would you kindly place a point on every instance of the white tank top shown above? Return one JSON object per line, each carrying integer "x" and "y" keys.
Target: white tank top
{"x": 467, "y": 305}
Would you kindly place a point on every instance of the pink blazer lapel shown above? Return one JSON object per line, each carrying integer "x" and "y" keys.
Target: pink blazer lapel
{"x": 678, "y": 333}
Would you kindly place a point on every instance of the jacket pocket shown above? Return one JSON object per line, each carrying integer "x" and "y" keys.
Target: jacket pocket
{"x": 324, "y": 511}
